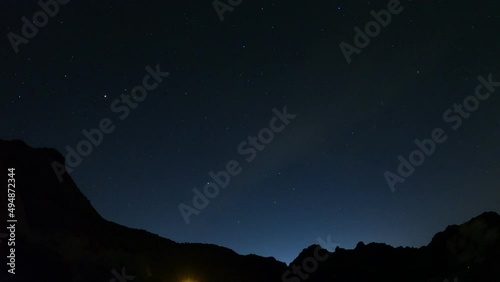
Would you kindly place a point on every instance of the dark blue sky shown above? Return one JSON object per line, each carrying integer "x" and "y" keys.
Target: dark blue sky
{"x": 323, "y": 174}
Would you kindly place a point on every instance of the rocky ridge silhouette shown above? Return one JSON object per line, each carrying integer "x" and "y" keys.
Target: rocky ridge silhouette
{"x": 61, "y": 237}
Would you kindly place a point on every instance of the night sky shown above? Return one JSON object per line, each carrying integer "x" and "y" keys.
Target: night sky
{"x": 323, "y": 174}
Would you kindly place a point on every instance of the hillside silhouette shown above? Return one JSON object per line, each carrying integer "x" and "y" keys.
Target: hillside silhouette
{"x": 61, "y": 237}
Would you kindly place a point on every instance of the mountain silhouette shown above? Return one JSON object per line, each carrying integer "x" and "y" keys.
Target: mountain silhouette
{"x": 61, "y": 237}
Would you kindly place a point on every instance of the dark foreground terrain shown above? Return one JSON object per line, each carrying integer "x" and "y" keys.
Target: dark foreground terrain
{"x": 61, "y": 237}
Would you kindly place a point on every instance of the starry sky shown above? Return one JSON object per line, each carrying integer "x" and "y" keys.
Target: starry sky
{"x": 323, "y": 175}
